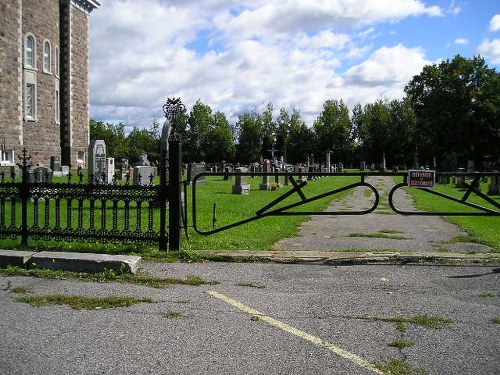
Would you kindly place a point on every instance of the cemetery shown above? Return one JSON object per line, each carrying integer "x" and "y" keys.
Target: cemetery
{"x": 165, "y": 204}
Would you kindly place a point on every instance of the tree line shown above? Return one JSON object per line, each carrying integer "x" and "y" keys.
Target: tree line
{"x": 450, "y": 113}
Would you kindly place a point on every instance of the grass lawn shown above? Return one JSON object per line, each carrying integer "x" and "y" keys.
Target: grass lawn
{"x": 482, "y": 229}
{"x": 260, "y": 234}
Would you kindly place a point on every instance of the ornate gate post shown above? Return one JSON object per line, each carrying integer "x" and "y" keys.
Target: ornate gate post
{"x": 173, "y": 109}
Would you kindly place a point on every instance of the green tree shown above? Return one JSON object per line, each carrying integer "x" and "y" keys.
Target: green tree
{"x": 301, "y": 139}
{"x": 457, "y": 105}
{"x": 374, "y": 129}
{"x": 249, "y": 146}
{"x": 283, "y": 133}
{"x": 144, "y": 141}
{"x": 113, "y": 136}
{"x": 268, "y": 131}
{"x": 200, "y": 123}
{"x": 333, "y": 129}
{"x": 220, "y": 140}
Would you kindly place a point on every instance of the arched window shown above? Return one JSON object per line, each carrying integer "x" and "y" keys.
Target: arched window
{"x": 30, "y": 52}
{"x": 47, "y": 57}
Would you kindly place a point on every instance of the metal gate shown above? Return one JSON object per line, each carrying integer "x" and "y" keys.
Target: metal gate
{"x": 469, "y": 183}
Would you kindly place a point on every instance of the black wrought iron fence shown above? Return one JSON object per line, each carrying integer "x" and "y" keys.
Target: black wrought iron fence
{"x": 78, "y": 211}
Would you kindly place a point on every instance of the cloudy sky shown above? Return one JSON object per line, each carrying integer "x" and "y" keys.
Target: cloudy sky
{"x": 238, "y": 55}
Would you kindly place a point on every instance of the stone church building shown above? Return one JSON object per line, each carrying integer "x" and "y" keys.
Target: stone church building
{"x": 44, "y": 80}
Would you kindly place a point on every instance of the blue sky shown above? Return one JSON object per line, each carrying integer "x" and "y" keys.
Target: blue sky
{"x": 236, "y": 56}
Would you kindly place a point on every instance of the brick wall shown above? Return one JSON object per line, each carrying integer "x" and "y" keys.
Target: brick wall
{"x": 79, "y": 82}
{"x": 66, "y": 27}
{"x": 10, "y": 73}
{"x": 41, "y": 137}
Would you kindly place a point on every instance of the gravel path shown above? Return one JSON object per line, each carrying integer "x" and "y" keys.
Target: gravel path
{"x": 380, "y": 230}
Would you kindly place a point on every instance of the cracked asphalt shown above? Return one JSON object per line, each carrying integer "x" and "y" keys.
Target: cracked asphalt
{"x": 274, "y": 319}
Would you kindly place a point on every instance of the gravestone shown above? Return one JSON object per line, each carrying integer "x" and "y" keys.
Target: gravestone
{"x": 65, "y": 170}
{"x": 362, "y": 166}
{"x": 10, "y": 172}
{"x": 142, "y": 171}
{"x": 55, "y": 163}
{"x": 143, "y": 161}
{"x": 383, "y": 167}
{"x": 241, "y": 185}
{"x": 195, "y": 169}
{"x": 40, "y": 173}
{"x": 97, "y": 160}
{"x": 141, "y": 174}
{"x": 124, "y": 168}
{"x": 328, "y": 162}
{"x": 265, "y": 179}
{"x": 460, "y": 182}
{"x": 494, "y": 187}
{"x": 227, "y": 170}
{"x": 110, "y": 170}
{"x": 470, "y": 166}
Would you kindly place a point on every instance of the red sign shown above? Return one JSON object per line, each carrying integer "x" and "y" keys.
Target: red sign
{"x": 421, "y": 178}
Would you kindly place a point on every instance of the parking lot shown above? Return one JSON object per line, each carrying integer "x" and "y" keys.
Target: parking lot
{"x": 262, "y": 319}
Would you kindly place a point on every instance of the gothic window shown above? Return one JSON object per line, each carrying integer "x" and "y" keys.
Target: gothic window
{"x": 47, "y": 60}
{"x": 30, "y": 52}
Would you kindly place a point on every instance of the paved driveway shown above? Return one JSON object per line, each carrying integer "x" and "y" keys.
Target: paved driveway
{"x": 261, "y": 319}
{"x": 380, "y": 230}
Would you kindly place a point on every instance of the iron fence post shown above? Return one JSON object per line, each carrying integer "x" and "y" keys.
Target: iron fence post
{"x": 173, "y": 110}
{"x": 175, "y": 211}
{"x": 163, "y": 198}
{"x": 25, "y": 195}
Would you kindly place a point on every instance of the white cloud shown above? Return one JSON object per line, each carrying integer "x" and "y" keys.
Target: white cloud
{"x": 388, "y": 66}
{"x": 490, "y": 50}
{"x": 289, "y": 52}
{"x": 280, "y": 17}
{"x": 462, "y": 41}
{"x": 495, "y": 23}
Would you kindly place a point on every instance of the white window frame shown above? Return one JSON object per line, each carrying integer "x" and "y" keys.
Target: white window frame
{"x": 30, "y": 102}
{"x": 6, "y": 157}
{"x": 57, "y": 104}
{"x": 30, "y": 54}
{"x": 56, "y": 61}
{"x": 47, "y": 57}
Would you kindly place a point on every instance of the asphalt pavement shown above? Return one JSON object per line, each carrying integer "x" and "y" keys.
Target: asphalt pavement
{"x": 260, "y": 318}
{"x": 315, "y": 309}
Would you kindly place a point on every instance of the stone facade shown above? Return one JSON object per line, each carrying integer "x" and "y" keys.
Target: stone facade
{"x": 44, "y": 101}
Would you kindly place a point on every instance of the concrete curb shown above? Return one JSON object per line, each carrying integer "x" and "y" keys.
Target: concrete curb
{"x": 95, "y": 263}
{"x": 330, "y": 257}
{"x": 68, "y": 261}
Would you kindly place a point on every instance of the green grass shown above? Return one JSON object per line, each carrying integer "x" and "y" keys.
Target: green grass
{"x": 496, "y": 320}
{"x": 108, "y": 276}
{"x": 261, "y": 234}
{"x": 481, "y": 229}
{"x": 378, "y": 235}
{"x": 399, "y": 367}
{"x": 82, "y": 302}
{"x": 487, "y": 294}
{"x": 401, "y": 343}
{"x": 431, "y": 322}
{"x": 173, "y": 314}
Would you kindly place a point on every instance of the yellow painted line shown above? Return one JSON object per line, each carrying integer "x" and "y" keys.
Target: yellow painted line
{"x": 297, "y": 332}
